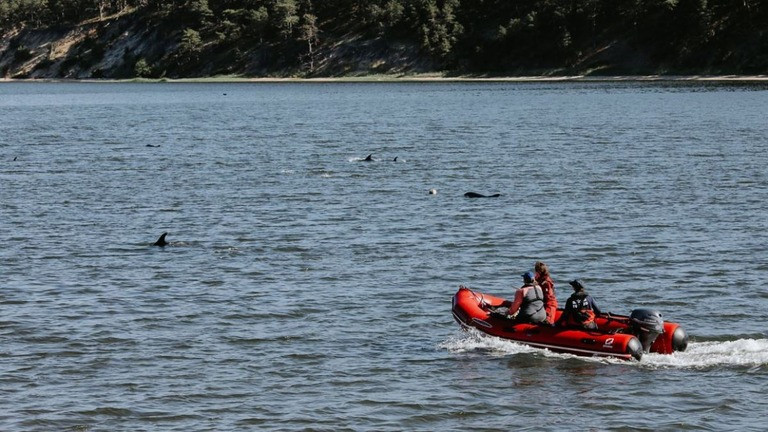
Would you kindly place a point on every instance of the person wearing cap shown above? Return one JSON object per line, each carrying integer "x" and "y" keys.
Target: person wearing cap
{"x": 548, "y": 288}
{"x": 529, "y": 301}
{"x": 580, "y": 309}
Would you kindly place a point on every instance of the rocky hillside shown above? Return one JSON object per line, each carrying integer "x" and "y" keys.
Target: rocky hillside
{"x": 135, "y": 45}
{"x": 308, "y": 38}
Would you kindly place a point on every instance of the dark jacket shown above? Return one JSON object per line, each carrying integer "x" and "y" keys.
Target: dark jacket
{"x": 580, "y": 311}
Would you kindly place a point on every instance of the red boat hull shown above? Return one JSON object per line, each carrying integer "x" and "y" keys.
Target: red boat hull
{"x": 613, "y": 339}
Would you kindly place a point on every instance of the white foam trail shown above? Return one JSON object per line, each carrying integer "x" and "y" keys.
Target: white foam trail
{"x": 473, "y": 340}
{"x": 741, "y": 352}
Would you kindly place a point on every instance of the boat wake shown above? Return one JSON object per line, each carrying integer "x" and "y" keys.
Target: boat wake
{"x": 473, "y": 340}
{"x": 750, "y": 353}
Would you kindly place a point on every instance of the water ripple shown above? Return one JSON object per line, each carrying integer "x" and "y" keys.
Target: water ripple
{"x": 305, "y": 289}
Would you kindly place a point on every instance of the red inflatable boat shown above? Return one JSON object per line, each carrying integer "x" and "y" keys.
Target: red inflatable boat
{"x": 623, "y": 337}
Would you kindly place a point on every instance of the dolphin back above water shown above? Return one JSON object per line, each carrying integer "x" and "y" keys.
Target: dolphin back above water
{"x": 478, "y": 195}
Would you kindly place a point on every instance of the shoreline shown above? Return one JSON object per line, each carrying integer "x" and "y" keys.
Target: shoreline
{"x": 415, "y": 78}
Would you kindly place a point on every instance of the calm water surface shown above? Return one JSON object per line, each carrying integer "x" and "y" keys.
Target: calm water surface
{"x": 304, "y": 289}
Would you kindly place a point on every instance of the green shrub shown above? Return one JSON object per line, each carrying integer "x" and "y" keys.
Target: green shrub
{"x": 142, "y": 69}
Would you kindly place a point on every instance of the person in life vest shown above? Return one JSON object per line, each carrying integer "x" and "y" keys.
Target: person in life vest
{"x": 529, "y": 301}
{"x": 580, "y": 309}
{"x": 548, "y": 288}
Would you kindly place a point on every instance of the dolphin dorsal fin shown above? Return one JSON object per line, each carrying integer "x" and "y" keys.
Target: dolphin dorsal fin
{"x": 161, "y": 241}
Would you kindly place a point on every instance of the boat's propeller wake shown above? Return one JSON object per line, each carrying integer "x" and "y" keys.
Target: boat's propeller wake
{"x": 740, "y": 352}
{"x": 751, "y": 353}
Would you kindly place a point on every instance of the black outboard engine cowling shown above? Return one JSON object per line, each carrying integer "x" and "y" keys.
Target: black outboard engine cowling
{"x": 647, "y": 325}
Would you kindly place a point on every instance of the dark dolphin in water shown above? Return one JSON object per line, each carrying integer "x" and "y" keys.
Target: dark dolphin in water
{"x": 368, "y": 158}
{"x": 161, "y": 241}
{"x": 477, "y": 195}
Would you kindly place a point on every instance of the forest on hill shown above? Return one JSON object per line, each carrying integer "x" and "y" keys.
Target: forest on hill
{"x": 310, "y": 38}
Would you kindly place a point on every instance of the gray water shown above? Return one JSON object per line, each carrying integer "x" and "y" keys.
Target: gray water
{"x": 305, "y": 289}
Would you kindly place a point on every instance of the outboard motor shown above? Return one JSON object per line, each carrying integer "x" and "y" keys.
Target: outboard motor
{"x": 679, "y": 340}
{"x": 647, "y": 325}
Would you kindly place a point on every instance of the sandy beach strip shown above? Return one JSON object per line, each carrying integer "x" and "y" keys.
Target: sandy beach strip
{"x": 424, "y": 78}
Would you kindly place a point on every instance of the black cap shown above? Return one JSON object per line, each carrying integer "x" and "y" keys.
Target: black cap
{"x": 576, "y": 284}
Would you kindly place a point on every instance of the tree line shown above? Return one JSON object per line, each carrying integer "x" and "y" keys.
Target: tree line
{"x": 468, "y": 36}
